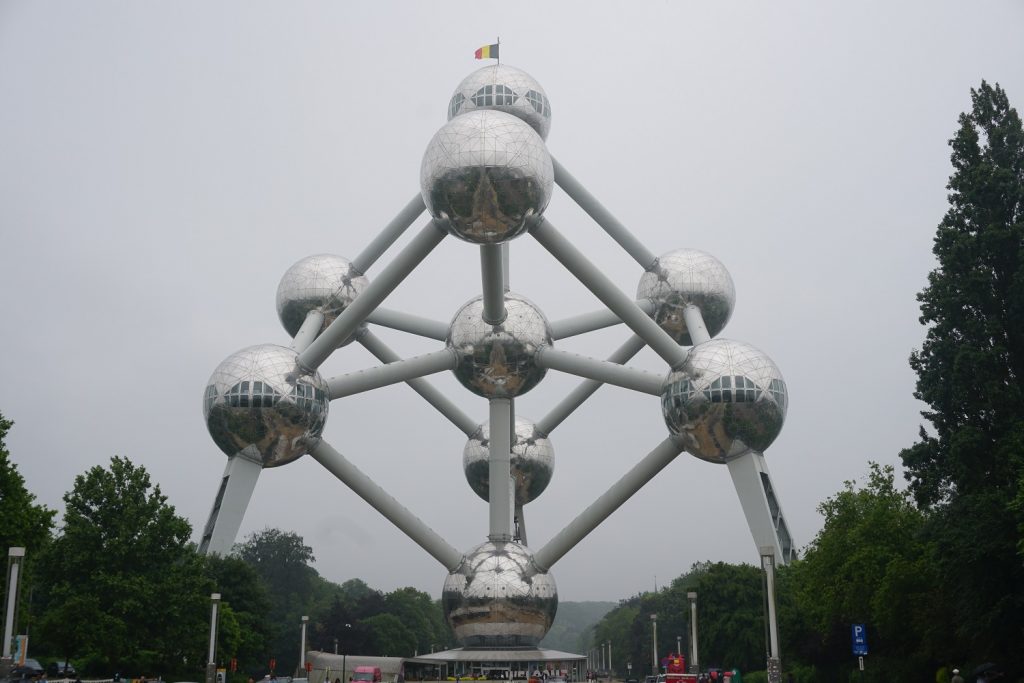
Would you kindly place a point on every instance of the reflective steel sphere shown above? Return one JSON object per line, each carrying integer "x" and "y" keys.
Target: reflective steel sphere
{"x": 260, "y": 404}
{"x": 726, "y": 399}
{"x": 532, "y": 460}
{"x": 490, "y": 601}
{"x": 323, "y": 282}
{"x": 486, "y": 176}
{"x": 499, "y": 361}
{"x": 506, "y": 89}
{"x": 688, "y": 276}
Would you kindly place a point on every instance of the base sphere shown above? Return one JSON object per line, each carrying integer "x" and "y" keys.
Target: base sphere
{"x": 492, "y": 601}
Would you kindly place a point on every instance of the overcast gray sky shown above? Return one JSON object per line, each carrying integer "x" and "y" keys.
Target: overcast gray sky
{"x": 163, "y": 164}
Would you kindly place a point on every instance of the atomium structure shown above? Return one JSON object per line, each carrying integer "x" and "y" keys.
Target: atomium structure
{"x": 487, "y": 178}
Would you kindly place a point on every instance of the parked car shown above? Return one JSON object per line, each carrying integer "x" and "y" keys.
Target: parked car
{"x": 61, "y": 669}
{"x": 30, "y": 669}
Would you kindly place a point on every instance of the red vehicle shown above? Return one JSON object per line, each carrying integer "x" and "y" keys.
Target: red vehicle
{"x": 675, "y": 670}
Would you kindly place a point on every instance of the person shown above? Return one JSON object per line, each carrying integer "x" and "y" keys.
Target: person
{"x": 957, "y": 678}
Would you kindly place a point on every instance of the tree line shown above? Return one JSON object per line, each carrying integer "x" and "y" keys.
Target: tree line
{"x": 118, "y": 588}
{"x": 935, "y": 570}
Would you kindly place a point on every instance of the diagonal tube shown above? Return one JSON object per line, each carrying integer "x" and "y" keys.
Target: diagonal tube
{"x": 309, "y": 330}
{"x": 603, "y": 217}
{"x": 695, "y": 324}
{"x": 391, "y": 232}
{"x": 605, "y": 290}
{"x": 585, "y": 390}
{"x": 385, "y": 504}
{"x": 407, "y": 322}
{"x": 389, "y": 278}
{"x": 428, "y": 391}
{"x": 600, "y": 370}
{"x": 609, "y": 502}
{"x": 391, "y": 373}
{"x": 589, "y": 322}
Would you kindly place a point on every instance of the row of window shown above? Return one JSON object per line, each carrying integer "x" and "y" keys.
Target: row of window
{"x": 734, "y": 389}
{"x": 257, "y": 394}
{"x": 500, "y": 96}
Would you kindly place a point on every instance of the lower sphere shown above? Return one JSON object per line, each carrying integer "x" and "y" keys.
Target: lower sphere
{"x": 261, "y": 405}
{"x": 726, "y": 399}
{"x": 493, "y": 600}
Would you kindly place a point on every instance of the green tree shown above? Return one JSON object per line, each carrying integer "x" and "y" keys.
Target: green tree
{"x": 421, "y": 614}
{"x": 245, "y": 603}
{"x": 282, "y": 561}
{"x": 868, "y": 564}
{"x": 390, "y": 636}
{"x": 122, "y": 584}
{"x": 969, "y": 469}
{"x": 23, "y": 523}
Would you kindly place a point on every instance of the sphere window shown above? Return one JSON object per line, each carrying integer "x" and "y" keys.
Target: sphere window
{"x": 210, "y": 398}
{"x": 720, "y": 391}
{"x": 777, "y": 388}
{"x": 539, "y": 102}
{"x": 456, "y": 104}
{"x": 746, "y": 390}
{"x": 491, "y": 95}
{"x": 309, "y": 399}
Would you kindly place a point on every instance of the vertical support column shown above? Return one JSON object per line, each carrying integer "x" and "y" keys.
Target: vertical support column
{"x": 14, "y": 560}
{"x": 211, "y": 665}
{"x": 500, "y": 472}
{"x": 768, "y": 563}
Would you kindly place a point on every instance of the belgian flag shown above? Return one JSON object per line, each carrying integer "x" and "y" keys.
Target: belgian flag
{"x": 487, "y": 52}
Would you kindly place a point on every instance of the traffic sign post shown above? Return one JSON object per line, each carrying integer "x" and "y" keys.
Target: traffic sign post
{"x": 859, "y": 636}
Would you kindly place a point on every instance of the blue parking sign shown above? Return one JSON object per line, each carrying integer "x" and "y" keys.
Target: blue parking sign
{"x": 859, "y": 635}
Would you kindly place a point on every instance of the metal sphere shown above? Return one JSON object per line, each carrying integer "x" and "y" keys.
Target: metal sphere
{"x": 499, "y": 361}
{"x": 492, "y": 600}
{"x": 727, "y": 398}
{"x": 323, "y": 282}
{"x": 504, "y": 88}
{"x": 532, "y": 461}
{"x": 261, "y": 405}
{"x": 683, "y": 277}
{"x": 486, "y": 176}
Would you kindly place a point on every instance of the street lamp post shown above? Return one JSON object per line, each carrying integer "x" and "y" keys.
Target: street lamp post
{"x": 610, "y": 667}
{"x": 211, "y": 665}
{"x": 654, "y": 644}
{"x": 679, "y": 645}
{"x": 694, "y": 659}
{"x": 302, "y": 648}
{"x": 344, "y": 658}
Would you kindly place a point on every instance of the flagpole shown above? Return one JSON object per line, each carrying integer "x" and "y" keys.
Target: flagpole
{"x": 499, "y": 50}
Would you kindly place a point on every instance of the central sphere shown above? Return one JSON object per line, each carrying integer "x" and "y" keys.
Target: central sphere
{"x": 683, "y": 277}
{"x": 726, "y": 399}
{"x": 486, "y": 176}
{"x": 323, "y": 282}
{"x": 532, "y": 461}
{"x": 260, "y": 404}
{"x": 499, "y": 361}
{"x": 492, "y": 600}
{"x": 504, "y": 88}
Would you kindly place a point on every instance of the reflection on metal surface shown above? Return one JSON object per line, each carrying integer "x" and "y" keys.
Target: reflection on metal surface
{"x": 499, "y": 361}
{"x": 486, "y": 176}
{"x": 688, "y": 276}
{"x": 532, "y": 461}
{"x": 323, "y": 282}
{"x": 727, "y": 398}
{"x": 494, "y": 600}
{"x": 504, "y": 88}
{"x": 259, "y": 404}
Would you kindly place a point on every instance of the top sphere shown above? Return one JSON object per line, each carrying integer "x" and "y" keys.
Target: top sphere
{"x": 323, "y": 282}
{"x": 726, "y": 399}
{"x": 683, "y": 277}
{"x": 504, "y": 88}
{"x": 486, "y": 176}
{"x": 261, "y": 405}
